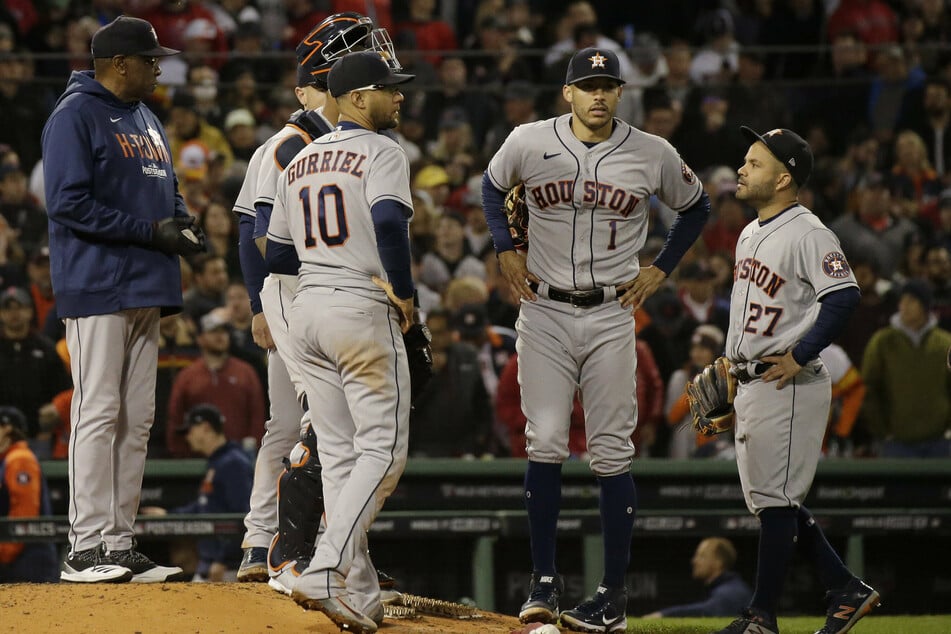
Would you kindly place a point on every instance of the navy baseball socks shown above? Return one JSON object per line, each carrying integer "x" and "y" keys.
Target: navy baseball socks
{"x": 543, "y": 503}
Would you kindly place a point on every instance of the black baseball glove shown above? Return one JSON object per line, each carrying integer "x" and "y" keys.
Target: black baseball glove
{"x": 516, "y": 211}
{"x": 420, "y": 357}
{"x": 178, "y": 235}
{"x": 710, "y": 394}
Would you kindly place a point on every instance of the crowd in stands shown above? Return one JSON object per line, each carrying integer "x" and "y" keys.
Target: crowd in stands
{"x": 866, "y": 82}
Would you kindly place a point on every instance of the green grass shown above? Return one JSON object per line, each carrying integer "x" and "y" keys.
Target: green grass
{"x": 799, "y": 625}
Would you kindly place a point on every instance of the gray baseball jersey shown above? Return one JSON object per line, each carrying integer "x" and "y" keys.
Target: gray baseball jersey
{"x": 783, "y": 268}
{"x": 345, "y": 335}
{"x": 588, "y": 207}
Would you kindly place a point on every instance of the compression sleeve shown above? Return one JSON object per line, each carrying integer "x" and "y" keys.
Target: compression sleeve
{"x": 493, "y": 199}
{"x": 252, "y": 262}
{"x": 281, "y": 258}
{"x": 684, "y": 231}
{"x": 834, "y": 313}
{"x": 391, "y": 222}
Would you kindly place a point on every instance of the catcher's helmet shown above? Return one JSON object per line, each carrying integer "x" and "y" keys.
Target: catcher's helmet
{"x": 333, "y": 38}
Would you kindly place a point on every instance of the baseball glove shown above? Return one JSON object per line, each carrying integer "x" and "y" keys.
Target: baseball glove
{"x": 420, "y": 357}
{"x": 710, "y": 394}
{"x": 516, "y": 211}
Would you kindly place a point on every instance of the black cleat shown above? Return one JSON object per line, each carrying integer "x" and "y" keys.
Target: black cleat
{"x": 606, "y": 611}
{"x": 543, "y": 594}
{"x": 849, "y": 605}
{"x": 751, "y": 621}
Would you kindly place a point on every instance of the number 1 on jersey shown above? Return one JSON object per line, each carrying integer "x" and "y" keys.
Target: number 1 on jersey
{"x": 331, "y": 236}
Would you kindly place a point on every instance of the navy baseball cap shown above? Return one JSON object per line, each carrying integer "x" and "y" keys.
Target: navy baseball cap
{"x": 366, "y": 70}
{"x": 202, "y": 413}
{"x": 593, "y": 62}
{"x": 12, "y": 416}
{"x": 789, "y": 148}
{"x": 17, "y": 295}
{"x": 128, "y": 36}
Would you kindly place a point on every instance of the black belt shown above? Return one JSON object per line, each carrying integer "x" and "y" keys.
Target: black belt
{"x": 578, "y": 299}
{"x": 743, "y": 375}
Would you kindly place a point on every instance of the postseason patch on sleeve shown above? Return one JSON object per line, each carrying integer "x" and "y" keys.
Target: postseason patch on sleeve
{"x": 835, "y": 265}
{"x": 689, "y": 176}
{"x": 23, "y": 478}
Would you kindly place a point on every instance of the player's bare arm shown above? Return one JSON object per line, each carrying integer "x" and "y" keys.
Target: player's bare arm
{"x": 636, "y": 291}
{"x": 260, "y": 332}
{"x": 516, "y": 274}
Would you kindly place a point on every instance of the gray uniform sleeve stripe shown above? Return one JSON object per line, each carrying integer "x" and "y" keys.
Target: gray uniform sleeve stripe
{"x": 390, "y": 197}
{"x": 240, "y": 209}
{"x": 836, "y": 287}
{"x": 281, "y": 239}
{"x": 495, "y": 181}
{"x": 692, "y": 200}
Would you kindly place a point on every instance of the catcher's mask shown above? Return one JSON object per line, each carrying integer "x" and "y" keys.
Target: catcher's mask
{"x": 336, "y": 36}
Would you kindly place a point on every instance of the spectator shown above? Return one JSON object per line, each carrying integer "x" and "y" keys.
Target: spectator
{"x": 222, "y": 380}
{"x": 23, "y": 495}
{"x": 203, "y": 86}
{"x": 518, "y": 107}
{"x": 432, "y": 35}
{"x": 454, "y": 136}
{"x": 650, "y": 401}
{"x": 454, "y": 91}
{"x": 713, "y": 564}
{"x": 848, "y": 391}
{"x": 873, "y": 21}
{"x": 31, "y": 372}
{"x": 718, "y": 60}
{"x": 934, "y": 125}
{"x": 709, "y": 136}
{"x": 876, "y": 306}
{"x": 794, "y": 24}
{"x": 248, "y": 52}
{"x": 450, "y": 257}
{"x": 226, "y": 488}
{"x": 186, "y": 124}
{"x": 660, "y": 116}
{"x": 177, "y": 350}
{"x": 649, "y": 68}
{"x": 171, "y": 19}
{"x": 891, "y": 94}
{"x": 23, "y": 104}
{"x": 914, "y": 184}
{"x": 698, "y": 295}
{"x": 937, "y": 263}
{"x": 706, "y": 344}
{"x": 678, "y": 84}
{"x": 874, "y": 229}
{"x": 508, "y": 411}
{"x": 20, "y": 208}
{"x": 41, "y": 288}
{"x": 908, "y": 402}
{"x": 760, "y": 105}
{"x": 221, "y": 235}
{"x": 209, "y": 283}
{"x": 11, "y": 257}
{"x": 494, "y": 344}
{"x": 240, "y": 130}
{"x": 495, "y": 57}
{"x": 452, "y": 417}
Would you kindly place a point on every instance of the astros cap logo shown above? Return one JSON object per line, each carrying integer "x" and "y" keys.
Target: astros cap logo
{"x": 597, "y": 60}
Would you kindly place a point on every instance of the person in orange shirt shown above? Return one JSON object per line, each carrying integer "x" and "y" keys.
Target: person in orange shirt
{"x": 22, "y": 494}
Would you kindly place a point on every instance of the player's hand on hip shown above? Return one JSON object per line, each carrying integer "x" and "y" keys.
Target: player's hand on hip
{"x": 261, "y": 332}
{"x": 405, "y": 306}
{"x": 784, "y": 369}
{"x": 632, "y": 294}
{"x": 516, "y": 274}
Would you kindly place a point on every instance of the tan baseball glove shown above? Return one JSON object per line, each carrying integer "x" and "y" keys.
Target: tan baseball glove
{"x": 516, "y": 211}
{"x": 711, "y": 394}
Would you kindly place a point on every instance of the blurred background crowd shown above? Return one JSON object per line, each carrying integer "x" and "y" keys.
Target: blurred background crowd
{"x": 866, "y": 82}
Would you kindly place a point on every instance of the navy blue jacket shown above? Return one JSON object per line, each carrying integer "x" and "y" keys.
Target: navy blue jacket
{"x": 729, "y": 594}
{"x": 109, "y": 176}
{"x": 225, "y": 489}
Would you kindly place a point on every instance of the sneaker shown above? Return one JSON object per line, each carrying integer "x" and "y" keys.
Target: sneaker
{"x": 543, "y": 594}
{"x": 253, "y": 565}
{"x": 849, "y": 605}
{"x": 338, "y": 610}
{"x": 91, "y": 566}
{"x": 144, "y": 570}
{"x": 282, "y": 580}
{"x": 606, "y": 611}
{"x": 751, "y": 622}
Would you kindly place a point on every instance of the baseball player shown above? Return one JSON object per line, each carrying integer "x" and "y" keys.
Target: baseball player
{"x": 300, "y": 485}
{"x": 342, "y": 208}
{"x": 588, "y": 179}
{"x": 793, "y": 292}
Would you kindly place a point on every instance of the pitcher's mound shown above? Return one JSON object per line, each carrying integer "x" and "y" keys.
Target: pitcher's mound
{"x": 187, "y": 608}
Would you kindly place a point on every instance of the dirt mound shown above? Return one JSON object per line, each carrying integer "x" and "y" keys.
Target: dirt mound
{"x": 186, "y": 608}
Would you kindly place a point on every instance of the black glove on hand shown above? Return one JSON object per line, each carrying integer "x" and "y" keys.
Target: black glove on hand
{"x": 169, "y": 237}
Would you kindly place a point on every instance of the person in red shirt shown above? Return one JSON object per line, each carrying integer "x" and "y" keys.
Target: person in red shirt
{"x": 172, "y": 17}
{"x": 221, "y": 380}
{"x": 22, "y": 494}
{"x": 431, "y": 34}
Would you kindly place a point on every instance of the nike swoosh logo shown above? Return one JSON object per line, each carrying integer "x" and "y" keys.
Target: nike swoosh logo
{"x": 115, "y": 120}
{"x": 606, "y": 620}
{"x": 548, "y": 156}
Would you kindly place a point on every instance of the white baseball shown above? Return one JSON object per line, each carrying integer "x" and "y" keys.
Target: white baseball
{"x": 548, "y": 628}
{"x": 188, "y": 233}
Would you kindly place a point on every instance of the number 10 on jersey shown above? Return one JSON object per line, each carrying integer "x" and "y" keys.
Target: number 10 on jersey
{"x": 331, "y": 216}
